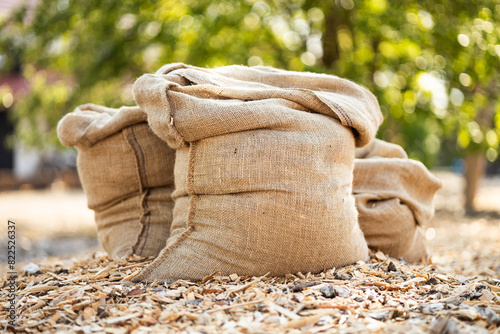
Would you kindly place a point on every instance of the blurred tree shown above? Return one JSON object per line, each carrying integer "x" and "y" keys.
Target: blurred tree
{"x": 432, "y": 64}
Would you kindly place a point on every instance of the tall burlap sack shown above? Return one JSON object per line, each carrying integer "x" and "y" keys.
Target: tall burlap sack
{"x": 127, "y": 174}
{"x": 263, "y": 170}
{"x": 394, "y": 197}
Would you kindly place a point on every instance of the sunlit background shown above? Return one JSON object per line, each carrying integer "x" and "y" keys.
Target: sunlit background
{"x": 434, "y": 66}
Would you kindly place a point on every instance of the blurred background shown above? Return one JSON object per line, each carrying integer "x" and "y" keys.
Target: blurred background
{"x": 433, "y": 65}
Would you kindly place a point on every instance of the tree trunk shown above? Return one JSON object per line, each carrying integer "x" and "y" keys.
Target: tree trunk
{"x": 475, "y": 165}
{"x": 336, "y": 17}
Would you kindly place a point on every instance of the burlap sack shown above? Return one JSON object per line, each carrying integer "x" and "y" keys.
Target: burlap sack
{"x": 127, "y": 174}
{"x": 394, "y": 197}
{"x": 263, "y": 172}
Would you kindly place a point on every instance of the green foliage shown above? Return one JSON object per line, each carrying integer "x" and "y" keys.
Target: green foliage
{"x": 433, "y": 65}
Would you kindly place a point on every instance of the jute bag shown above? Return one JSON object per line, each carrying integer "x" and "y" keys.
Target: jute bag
{"x": 394, "y": 197}
{"x": 263, "y": 171}
{"x": 127, "y": 174}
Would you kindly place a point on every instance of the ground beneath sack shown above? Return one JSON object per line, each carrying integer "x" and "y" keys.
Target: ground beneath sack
{"x": 457, "y": 291}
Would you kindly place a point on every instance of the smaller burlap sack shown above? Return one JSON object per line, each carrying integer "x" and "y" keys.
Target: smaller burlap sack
{"x": 394, "y": 197}
{"x": 127, "y": 174}
{"x": 263, "y": 169}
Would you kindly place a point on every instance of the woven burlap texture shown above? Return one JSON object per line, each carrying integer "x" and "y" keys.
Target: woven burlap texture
{"x": 394, "y": 197}
{"x": 127, "y": 174}
{"x": 263, "y": 171}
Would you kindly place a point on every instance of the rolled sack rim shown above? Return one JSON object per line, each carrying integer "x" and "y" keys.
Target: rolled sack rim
{"x": 91, "y": 123}
{"x": 355, "y": 106}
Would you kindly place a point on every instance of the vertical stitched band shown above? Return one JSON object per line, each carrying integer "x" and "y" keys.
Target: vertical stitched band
{"x": 142, "y": 164}
{"x": 140, "y": 159}
{"x": 145, "y": 222}
{"x": 160, "y": 259}
{"x": 190, "y": 171}
{"x": 146, "y": 272}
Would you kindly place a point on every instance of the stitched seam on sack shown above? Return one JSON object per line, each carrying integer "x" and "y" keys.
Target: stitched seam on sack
{"x": 166, "y": 251}
{"x": 142, "y": 166}
{"x": 190, "y": 171}
{"x": 190, "y": 226}
{"x": 349, "y": 105}
{"x": 145, "y": 226}
{"x": 190, "y": 185}
{"x": 126, "y": 135}
{"x": 341, "y": 110}
{"x": 140, "y": 169}
{"x": 145, "y": 222}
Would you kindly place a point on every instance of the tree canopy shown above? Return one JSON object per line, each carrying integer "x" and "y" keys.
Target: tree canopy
{"x": 434, "y": 65}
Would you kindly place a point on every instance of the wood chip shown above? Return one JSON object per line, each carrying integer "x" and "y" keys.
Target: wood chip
{"x": 283, "y": 310}
{"x": 305, "y": 321}
{"x": 123, "y": 318}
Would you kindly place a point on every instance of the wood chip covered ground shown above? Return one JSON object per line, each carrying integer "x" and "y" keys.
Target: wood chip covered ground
{"x": 457, "y": 291}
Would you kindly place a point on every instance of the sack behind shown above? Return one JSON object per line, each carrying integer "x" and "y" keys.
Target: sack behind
{"x": 127, "y": 174}
{"x": 263, "y": 174}
{"x": 394, "y": 197}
